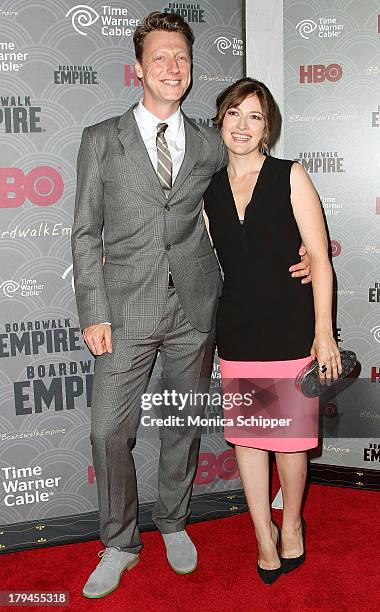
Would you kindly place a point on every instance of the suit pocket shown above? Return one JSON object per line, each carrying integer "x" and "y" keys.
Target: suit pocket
{"x": 117, "y": 272}
{"x": 80, "y": 247}
{"x": 206, "y": 171}
{"x": 208, "y": 262}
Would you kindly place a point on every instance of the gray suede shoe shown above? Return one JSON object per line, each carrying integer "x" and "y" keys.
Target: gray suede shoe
{"x": 106, "y": 576}
{"x": 180, "y": 551}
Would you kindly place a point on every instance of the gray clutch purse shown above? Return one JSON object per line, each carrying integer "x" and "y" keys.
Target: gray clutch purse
{"x": 308, "y": 381}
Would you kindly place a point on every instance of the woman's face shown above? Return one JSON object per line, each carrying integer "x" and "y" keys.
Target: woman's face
{"x": 243, "y": 126}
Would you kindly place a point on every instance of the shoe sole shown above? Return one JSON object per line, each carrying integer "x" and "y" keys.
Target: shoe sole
{"x": 182, "y": 572}
{"x": 126, "y": 569}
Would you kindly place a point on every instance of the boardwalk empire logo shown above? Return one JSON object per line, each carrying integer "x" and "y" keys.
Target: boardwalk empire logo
{"x": 48, "y": 386}
{"x": 54, "y": 386}
{"x": 372, "y": 453}
{"x": 374, "y": 293}
{"x": 202, "y": 121}
{"x": 36, "y": 337}
{"x": 75, "y": 75}
{"x": 18, "y": 115}
{"x": 191, "y": 11}
{"x": 324, "y": 162}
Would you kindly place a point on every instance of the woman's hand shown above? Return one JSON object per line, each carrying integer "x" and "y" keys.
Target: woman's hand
{"x": 326, "y": 352}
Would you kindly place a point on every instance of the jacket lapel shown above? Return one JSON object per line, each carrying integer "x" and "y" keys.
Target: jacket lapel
{"x": 130, "y": 137}
{"x": 193, "y": 147}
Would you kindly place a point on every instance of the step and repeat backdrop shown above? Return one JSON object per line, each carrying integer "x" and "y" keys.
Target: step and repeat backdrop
{"x": 64, "y": 66}
{"x": 322, "y": 62}
{"x": 331, "y": 125}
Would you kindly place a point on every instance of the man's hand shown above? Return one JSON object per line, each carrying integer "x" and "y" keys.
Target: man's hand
{"x": 302, "y": 269}
{"x": 98, "y": 338}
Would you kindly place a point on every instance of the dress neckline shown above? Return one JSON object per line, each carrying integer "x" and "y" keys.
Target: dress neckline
{"x": 239, "y": 219}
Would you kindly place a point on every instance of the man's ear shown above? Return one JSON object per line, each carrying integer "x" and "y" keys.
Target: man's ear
{"x": 138, "y": 70}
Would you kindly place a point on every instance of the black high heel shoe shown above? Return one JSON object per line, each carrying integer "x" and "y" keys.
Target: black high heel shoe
{"x": 268, "y": 576}
{"x": 288, "y": 565}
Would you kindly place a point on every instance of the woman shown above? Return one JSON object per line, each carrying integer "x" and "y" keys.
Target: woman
{"x": 269, "y": 325}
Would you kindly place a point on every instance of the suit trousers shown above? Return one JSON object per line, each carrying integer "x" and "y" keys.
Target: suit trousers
{"x": 120, "y": 379}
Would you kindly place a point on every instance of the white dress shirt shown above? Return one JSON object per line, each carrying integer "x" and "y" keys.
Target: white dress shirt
{"x": 174, "y": 135}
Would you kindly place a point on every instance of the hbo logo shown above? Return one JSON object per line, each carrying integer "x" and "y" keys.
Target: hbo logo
{"x": 211, "y": 467}
{"x": 42, "y": 186}
{"x": 336, "y": 248}
{"x": 318, "y": 73}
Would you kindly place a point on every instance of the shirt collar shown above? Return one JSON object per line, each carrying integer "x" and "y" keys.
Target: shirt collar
{"x": 148, "y": 122}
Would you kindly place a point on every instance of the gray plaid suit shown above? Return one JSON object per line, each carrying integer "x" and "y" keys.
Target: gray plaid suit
{"x": 144, "y": 233}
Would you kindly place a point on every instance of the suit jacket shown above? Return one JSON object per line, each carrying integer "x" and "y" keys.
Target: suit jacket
{"x": 121, "y": 211}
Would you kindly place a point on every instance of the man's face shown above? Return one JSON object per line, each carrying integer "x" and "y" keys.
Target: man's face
{"x": 164, "y": 70}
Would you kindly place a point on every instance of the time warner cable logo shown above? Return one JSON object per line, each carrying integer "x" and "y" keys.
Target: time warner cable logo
{"x": 9, "y": 287}
{"x": 114, "y": 20}
{"x": 375, "y": 331}
{"x": 82, "y": 16}
{"x": 27, "y": 287}
{"x": 222, "y": 44}
{"x": 306, "y": 27}
{"x": 327, "y": 27}
{"x": 235, "y": 45}
{"x": 27, "y": 485}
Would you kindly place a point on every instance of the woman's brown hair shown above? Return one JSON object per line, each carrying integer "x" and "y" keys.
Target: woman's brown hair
{"x": 234, "y": 95}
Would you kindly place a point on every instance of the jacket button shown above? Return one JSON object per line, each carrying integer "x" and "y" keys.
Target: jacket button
{"x": 168, "y": 246}
{"x": 167, "y": 207}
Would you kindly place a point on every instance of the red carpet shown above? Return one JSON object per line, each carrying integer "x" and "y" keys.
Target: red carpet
{"x": 341, "y": 571}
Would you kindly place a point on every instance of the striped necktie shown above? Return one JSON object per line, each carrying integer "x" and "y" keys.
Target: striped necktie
{"x": 164, "y": 160}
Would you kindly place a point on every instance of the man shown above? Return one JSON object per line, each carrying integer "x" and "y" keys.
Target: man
{"x": 141, "y": 178}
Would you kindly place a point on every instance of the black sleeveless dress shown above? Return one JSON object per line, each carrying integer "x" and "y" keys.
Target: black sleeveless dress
{"x": 265, "y": 318}
{"x": 263, "y": 314}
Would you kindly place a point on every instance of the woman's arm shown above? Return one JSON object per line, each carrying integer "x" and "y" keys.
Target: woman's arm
{"x": 308, "y": 214}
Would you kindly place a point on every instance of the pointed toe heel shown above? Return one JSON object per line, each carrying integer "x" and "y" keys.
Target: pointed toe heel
{"x": 269, "y": 576}
{"x": 288, "y": 565}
